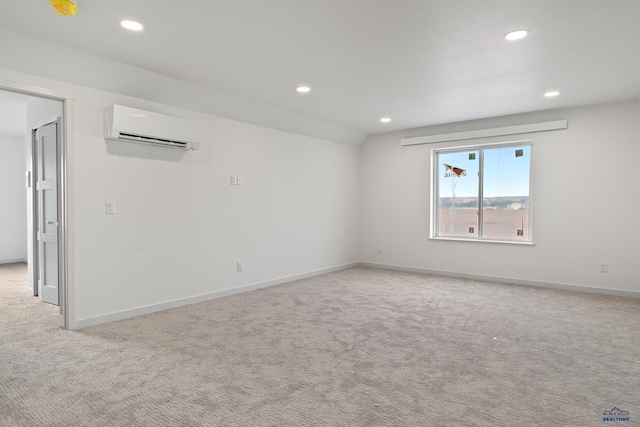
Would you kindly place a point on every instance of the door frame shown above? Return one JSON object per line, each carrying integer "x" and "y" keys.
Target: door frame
{"x": 66, "y": 258}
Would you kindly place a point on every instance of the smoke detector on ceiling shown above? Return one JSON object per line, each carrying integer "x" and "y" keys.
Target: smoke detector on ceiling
{"x": 65, "y": 7}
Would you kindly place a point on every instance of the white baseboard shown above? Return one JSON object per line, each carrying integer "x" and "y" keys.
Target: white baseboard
{"x": 121, "y": 315}
{"x": 13, "y": 261}
{"x": 507, "y": 280}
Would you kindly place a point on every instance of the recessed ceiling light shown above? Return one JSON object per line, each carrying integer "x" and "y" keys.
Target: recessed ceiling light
{"x": 303, "y": 89}
{"x": 385, "y": 120}
{"x": 551, "y": 93}
{"x": 131, "y": 25}
{"x": 516, "y": 35}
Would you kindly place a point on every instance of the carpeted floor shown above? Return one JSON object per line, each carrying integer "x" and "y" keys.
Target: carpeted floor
{"x": 360, "y": 347}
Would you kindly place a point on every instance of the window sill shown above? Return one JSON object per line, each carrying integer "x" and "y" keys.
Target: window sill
{"x": 460, "y": 239}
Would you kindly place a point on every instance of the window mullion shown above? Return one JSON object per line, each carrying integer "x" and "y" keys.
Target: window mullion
{"x": 480, "y": 192}
{"x": 436, "y": 192}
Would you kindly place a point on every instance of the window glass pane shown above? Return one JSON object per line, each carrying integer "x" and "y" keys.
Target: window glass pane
{"x": 458, "y": 186}
{"x": 505, "y": 201}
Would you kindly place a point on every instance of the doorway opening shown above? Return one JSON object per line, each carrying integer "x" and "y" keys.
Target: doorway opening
{"x": 33, "y": 135}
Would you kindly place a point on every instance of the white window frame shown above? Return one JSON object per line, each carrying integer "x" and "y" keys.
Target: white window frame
{"x": 435, "y": 191}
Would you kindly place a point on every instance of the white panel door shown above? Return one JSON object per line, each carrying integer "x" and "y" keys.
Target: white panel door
{"x": 47, "y": 213}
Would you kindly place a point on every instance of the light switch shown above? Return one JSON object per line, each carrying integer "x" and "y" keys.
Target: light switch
{"x": 239, "y": 179}
{"x": 234, "y": 180}
{"x": 111, "y": 208}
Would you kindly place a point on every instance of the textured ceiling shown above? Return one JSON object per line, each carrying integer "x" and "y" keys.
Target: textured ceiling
{"x": 420, "y": 62}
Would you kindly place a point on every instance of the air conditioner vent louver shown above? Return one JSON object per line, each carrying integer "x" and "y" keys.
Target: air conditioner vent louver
{"x": 145, "y": 127}
{"x": 152, "y": 140}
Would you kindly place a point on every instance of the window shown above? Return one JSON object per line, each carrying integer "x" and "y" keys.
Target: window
{"x": 482, "y": 193}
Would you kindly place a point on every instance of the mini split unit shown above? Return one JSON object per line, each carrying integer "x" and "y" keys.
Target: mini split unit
{"x": 144, "y": 127}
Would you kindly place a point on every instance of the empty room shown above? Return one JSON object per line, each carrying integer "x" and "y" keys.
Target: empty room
{"x": 319, "y": 213}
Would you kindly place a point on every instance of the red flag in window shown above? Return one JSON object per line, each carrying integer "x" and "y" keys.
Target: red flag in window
{"x": 451, "y": 170}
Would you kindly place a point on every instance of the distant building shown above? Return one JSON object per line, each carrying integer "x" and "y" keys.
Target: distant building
{"x": 516, "y": 206}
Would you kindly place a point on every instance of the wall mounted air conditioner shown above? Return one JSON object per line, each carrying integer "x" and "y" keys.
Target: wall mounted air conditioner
{"x": 145, "y": 127}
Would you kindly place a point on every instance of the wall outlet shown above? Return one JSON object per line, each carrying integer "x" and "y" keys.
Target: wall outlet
{"x": 240, "y": 266}
{"x": 110, "y": 208}
{"x": 604, "y": 267}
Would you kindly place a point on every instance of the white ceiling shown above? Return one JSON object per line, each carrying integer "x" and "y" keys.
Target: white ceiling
{"x": 420, "y": 62}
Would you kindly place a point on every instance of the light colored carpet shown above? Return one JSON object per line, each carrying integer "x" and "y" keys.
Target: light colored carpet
{"x": 360, "y": 347}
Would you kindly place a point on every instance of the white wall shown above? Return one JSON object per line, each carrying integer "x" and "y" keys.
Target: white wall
{"x": 180, "y": 226}
{"x": 13, "y": 213}
{"x": 585, "y": 203}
